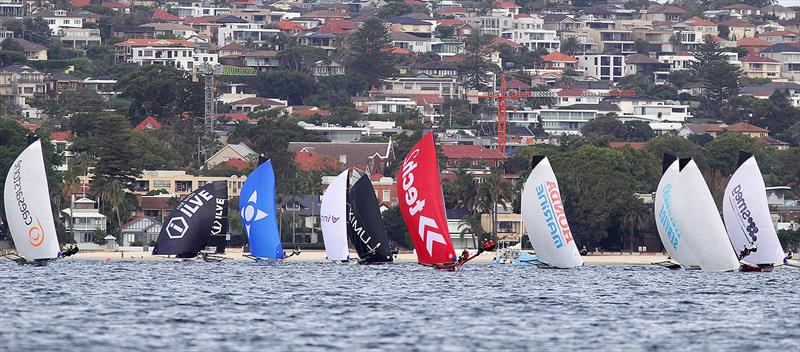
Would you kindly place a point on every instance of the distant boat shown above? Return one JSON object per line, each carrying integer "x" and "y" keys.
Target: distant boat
{"x": 545, "y": 219}
{"x": 747, "y": 218}
{"x": 259, "y": 214}
{"x": 192, "y": 225}
{"x": 698, "y": 220}
{"x": 666, "y": 223}
{"x": 333, "y": 218}
{"x": 365, "y": 224}
{"x": 28, "y": 212}
{"x": 419, "y": 191}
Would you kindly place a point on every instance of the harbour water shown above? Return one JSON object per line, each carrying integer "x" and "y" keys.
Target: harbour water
{"x": 77, "y": 305}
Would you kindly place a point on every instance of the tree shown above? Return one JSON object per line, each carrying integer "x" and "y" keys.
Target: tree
{"x": 11, "y": 53}
{"x": 641, "y": 46}
{"x": 492, "y": 191}
{"x": 676, "y": 146}
{"x": 723, "y": 152}
{"x": 571, "y": 46}
{"x": 719, "y": 79}
{"x": 396, "y": 227}
{"x": 33, "y": 29}
{"x": 603, "y": 126}
{"x": 293, "y": 86}
{"x": 724, "y": 31}
{"x": 476, "y": 69}
{"x": 636, "y": 218}
{"x": 301, "y": 58}
{"x": 394, "y": 9}
{"x": 369, "y": 52}
{"x": 160, "y": 91}
{"x": 638, "y": 131}
{"x": 111, "y": 146}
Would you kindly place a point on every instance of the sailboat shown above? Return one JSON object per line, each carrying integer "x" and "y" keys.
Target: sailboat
{"x": 681, "y": 255}
{"x": 544, "y": 217}
{"x": 747, "y": 218}
{"x": 194, "y": 223}
{"x": 29, "y": 214}
{"x": 698, "y": 220}
{"x": 259, "y": 215}
{"x": 333, "y": 218}
{"x": 365, "y": 224}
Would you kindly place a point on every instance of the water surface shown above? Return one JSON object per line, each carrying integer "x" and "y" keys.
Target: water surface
{"x": 240, "y": 306}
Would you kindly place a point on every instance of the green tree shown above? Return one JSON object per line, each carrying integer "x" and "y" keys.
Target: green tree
{"x": 724, "y": 31}
{"x": 571, "y": 46}
{"x": 369, "y": 53}
{"x": 678, "y": 146}
{"x": 33, "y": 29}
{"x": 476, "y": 69}
{"x": 604, "y": 126}
{"x": 641, "y": 46}
{"x": 301, "y": 58}
{"x": 719, "y": 79}
{"x": 396, "y": 227}
{"x": 293, "y": 86}
{"x": 111, "y": 146}
{"x": 491, "y": 192}
{"x": 160, "y": 91}
{"x": 638, "y": 131}
{"x": 723, "y": 152}
{"x": 636, "y": 218}
{"x": 394, "y": 9}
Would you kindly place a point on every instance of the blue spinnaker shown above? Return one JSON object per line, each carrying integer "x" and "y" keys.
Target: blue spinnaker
{"x": 259, "y": 214}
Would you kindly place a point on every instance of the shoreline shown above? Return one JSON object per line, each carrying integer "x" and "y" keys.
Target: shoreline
{"x": 235, "y": 254}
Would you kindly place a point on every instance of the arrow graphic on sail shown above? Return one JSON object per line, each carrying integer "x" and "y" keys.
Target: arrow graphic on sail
{"x": 429, "y": 236}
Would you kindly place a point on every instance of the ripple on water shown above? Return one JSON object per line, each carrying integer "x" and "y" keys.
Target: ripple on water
{"x": 239, "y": 306}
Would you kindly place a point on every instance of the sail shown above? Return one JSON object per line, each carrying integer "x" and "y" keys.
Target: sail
{"x": 27, "y": 205}
{"x": 545, "y": 219}
{"x": 219, "y": 228}
{"x": 259, "y": 214}
{"x": 699, "y": 222}
{"x": 333, "y": 219}
{"x": 188, "y": 227}
{"x": 367, "y": 233}
{"x": 747, "y": 216}
{"x": 666, "y": 224}
{"x": 419, "y": 191}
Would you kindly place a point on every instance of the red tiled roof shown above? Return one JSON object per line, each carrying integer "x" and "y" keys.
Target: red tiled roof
{"x": 423, "y": 99}
{"x": 571, "y": 92}
{"x": 558, "y": 57}
{"x": 149, "y": 123}
{"x": 757, "y": 58}
{"x": 397, "y": 50}
{"x": 454, "y": 58}
{"x": 771, "y": 141}
{"x": 697, "y": 21}
{"x": 456, "y": 151}
{"x": 517, "y": 84}
{"x": 60, "y": 135}
{"x": 666, "y": 9}
{"x": 80, "y": 3}
{"x": 778, "y": 33}
{"x": 337, "y": 27}
{"x": 257, "y": 101}
{"x": 154, "y": 202}
{"x": 738, "y": 127}
{"x": 735, "y": 22}
{"x": 450, "y": 22}
{"x": 290, "y": 26}
{"x": 237, "y": 164}
{"x": 634, "y": 145}
{"x": 115, "y": 5}
{"x": 308, "y": 161}
{"x": 161, "y": 15}
{"x": 310, "y": 111}
{"x": 749, "y": 41}
{"x": 29, "y": 126}
{"x": 497, "y": 41}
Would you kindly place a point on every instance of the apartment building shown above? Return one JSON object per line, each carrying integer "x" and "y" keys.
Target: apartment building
{"x": 60, "y": 19}
{"x": 21, "y": 83}
{"x": 242, "y": 33}
{"x": 78, "y": 38}
{"x": 447, "y": 87}
{"x": 177, "y": 53}
{"x": 606, "y": 67}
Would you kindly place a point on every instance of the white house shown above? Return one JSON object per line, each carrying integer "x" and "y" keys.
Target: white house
{"x": 245, "y": 32}
{"x": 61, "y": 19}
{"x": 177, "y": 53}
{"x": 83, "y": 220}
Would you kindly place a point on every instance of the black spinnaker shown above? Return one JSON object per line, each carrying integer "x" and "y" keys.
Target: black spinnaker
{"x": 189, "y": 226}
{"x": 365, "y": 223}
{"x": 219, "y": 228}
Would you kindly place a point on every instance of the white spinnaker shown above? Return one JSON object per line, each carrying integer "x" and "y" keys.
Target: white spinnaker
{"x": 746, "y": 214}
{"x": 666, "y": 222}
{"x": 27, "y": 205}
{"x": 333, "y": 213}
{"x": 545, "y": 220}
{"x": 699, "y": 221}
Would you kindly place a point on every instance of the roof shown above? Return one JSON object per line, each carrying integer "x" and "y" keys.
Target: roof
{"x": 19, "y": 68}
{"x": 290, "y": 26}
{"x": 29, "y": 45}
{"x": 305, "y": 111}
{"x": 261, "y": 53}
{"x": 80, "y": 3}
{"x": 257, "y": 101}
{"x": 699, "y": 128}
{"x": 498, "y": 41}
{"x": 149, "y": 123}
{"x": 758, "y": 58}
{"x": 405, "y": 37}
{"x": 749, "y": 41}
{"x": 735, "y": 22}
{"x": 738, "y": 127}
{"x": 771, "y": 141}
{"x": 241, "y": 149}
{"x": 155, "y": 202}
{"x": 435, "y": 65}
{"x": 518, "y": 84}
{"x": 232, "y": 46}
{"x": 407, "y": 20}
{"x": 60, "y": 135}
{"x": 571, "y": 92}
{"x": 355, "y": 153}
{"x": 115, "y": 5}
{"x": 61, "y": 76}
{"x": 451, "y": 10}
{"x": 237, "y": 164}
{"x": 450, "y": 22}
{"x": 697, "y": 21}
{"x": 640, "y": 59}
{"x": 458, "y": 151}
{"x": 161, "y": 15}
{"x": 558, "y": 57}
{"x": 337, "y": 27}
{"x": 634, "y": 145}
{"x": 778, "y": 33}
{"x": 668, "y": 9}
{"x": 214, "y": 19}
{"x": 156, "y": 42}
{"x": 308, "y": 161}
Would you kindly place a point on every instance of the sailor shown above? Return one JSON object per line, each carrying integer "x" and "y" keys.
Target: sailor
{"x": 464, "y": 256}
{"x": 584, "y": 251}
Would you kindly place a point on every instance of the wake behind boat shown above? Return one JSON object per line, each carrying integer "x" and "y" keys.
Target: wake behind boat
{"x": 544, "y": 217}
{"x": 28, "y": 211}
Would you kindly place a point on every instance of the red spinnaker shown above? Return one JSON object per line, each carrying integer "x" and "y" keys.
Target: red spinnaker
{"x": 419, "y": 193}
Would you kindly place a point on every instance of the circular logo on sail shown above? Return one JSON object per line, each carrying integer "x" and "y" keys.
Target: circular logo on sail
{"x": 251, "y": 212}
{"x": 36, "y": 234}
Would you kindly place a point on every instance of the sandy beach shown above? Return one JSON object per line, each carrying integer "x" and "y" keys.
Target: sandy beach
{"x": 319, "y": 256}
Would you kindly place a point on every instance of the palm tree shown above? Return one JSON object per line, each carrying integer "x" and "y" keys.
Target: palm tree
{"x": 636, "y": 218}
{"x": 114, "y": 194}
{"x": 494, "y": 190}
{"x": 570, "y": 46}
{"x": 472, "y": 225}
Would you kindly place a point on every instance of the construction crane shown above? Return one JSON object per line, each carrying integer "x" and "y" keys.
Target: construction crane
{"x": 209, "y": 72}
{"x": 503, "y": 96}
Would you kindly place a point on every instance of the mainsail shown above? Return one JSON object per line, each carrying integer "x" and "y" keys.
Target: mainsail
{"x": 366, "y": 230}
{"x": 699, "y": 222}
{"x": 419, "y": 191}
{"x": 545, "y": 219}
{"x": 666, "y": 223}
{"x": 189, "y": 226}
{"x": 219, "y": 228}
{"x": 333, "y": 218}
{"x": 259, "y": 213}
{"x": 747, "y": 216}
{"x": 27, "y": 205}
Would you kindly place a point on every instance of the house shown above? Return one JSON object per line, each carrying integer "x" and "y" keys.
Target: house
{"x": 460, "y": 28}
{"x": 179, "y": 183}
{"x": 230, "y": 152}
{"x": 290, "y": 28}
{"x": 789, "y": 57}
{"x": 79, "y": 38}
{"x": 472, "y": 157}
{"x": 776, "y": 37}
{"x": 172, "y": 30}
{"x": 410, "y": 25}
{"x": 133, "y": 32}
{"x": 142, "y": 231}
{"x": 410, "y": 42}
{"x": 327, "y": 68}
{"x": 699, "y": 128}
{"x": 742, "y": 10}
{"x": 309, "y": 161}
{"x": 772, "y": 142}
{"x": 437, "y": 69}
{"x": 505, "y": 9}
{"x": 739, "y": 127}
{"x": 245, "y": 33}
{"x": 178, "y": 53}
{"x": 702, "y": 26}
{"x": 60, "y": 19}
{"x": 753, "y": 45}
{"x": 605, "y": 67}
{"x": 325, "y": 41}
{"x": 558, "y": 61}
{"x": 680, "y": 61}
{"x": 738, "y": 28}
{"x": 82, "y": 220}
{"x": 562, "y": 23}
{"x": 33, "y": 51}
{"x": 62, "y": 144}
{"x": 779, "y": 12}
{"x": 664, "y": 13}
{"x": 13, "y": 8}
{"x": 21, "y": 83}
{"x": 643, "y": 64}
{"x": 148, "y": 124}
{"x": 448, "y": 87}
{"x": 247, "y": 105}
{"x": 59, "y": 82}
{"x": 389, "y": 105}
{"x": 372, "y": 157}
{"x": 159, "y": 15}
{"x": 260, "y": 60}
{"x": 756, "y": 66}
{"x": 455, "y": 11}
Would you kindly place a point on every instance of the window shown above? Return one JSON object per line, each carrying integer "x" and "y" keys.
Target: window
{"x": 386, "y": 195}
{"x": 617, "y": 61}
{"x": 183, "y": 186}
{"x": 162, "y": 184}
